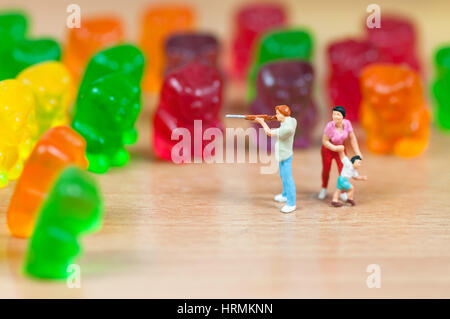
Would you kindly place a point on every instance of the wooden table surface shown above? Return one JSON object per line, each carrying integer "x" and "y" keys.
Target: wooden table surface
{"x": 212, "y": 230}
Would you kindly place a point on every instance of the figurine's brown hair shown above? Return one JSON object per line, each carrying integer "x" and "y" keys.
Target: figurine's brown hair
{"x": 283, "y": 109}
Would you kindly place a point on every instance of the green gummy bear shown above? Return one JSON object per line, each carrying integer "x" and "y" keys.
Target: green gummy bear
{"x": 108, "y": 104}
{"x": 276, "y": 45}
{"x": 13, "y": 28}
{"x": 28, "y": 52}
{"x": 124, "y": 58}
{"x": 72, "y": 208}
{"x": 441, "y": 88}
{"x": 105, "y": 115}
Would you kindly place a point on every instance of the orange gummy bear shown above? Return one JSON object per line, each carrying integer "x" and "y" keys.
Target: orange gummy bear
{"x": 59, "y": 147}
{"x": 94, "y": 34}
{"x": 393, "y": 110}
{"x": 159, "y": 23}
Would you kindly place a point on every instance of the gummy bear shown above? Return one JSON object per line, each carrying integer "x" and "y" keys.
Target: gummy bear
{"x": 191, "y": 92}
{"x": 346, "y": 59}
{"x": 182, "y": 48}
{"x": 105, "y": 115}
{"x": 396, "y": 41}
{"x": 13, "y": 28}
{"x": 393, "y": 110}
{"x": 159, "y": 23}
{"x": 59, "y": 147}
{"x": 28, "y": 52}
{"x": 441, "y": 88}
{"x": 16, "y": 105}
{"x": 251, "y": 21}
{"x": 54, "y": 92}
{"x": 94, "y": 34}
{"x": 72, "y": 208}
{"x": 288, "y": 83}
{"x": 279, "y": 44}
{"x": 120, "y": 58}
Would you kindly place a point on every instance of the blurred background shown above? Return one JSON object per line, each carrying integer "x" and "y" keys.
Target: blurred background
{"x": 328, "y": 20}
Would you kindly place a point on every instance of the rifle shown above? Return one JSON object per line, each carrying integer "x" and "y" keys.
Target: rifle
{"x": 252, "y": 117}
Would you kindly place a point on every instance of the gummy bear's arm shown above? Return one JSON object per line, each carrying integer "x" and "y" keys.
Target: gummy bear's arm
{"x": 423, "y": 121}
{"x": 3, "y": 169}
{"x": 367, "y": 117}
{"x": 90, "y": 134}
{"x": 52, "y": 248}
{"x": 64, "y": 238}
{"x": 130, "y": 137}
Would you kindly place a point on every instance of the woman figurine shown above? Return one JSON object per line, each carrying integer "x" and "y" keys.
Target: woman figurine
{"x": 335, "y": 134}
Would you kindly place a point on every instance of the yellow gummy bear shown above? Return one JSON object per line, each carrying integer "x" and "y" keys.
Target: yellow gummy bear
{"x": 54, "y": 91}
{"x": 16, "y": 107}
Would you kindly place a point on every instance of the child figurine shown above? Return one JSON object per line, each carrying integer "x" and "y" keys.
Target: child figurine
{"x": 349, "y": 171}
{"x": 283, "y": 152}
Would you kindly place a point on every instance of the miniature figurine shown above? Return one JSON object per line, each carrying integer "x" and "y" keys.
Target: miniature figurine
{"x": 56, "y": 149}
{"x": 349, "y": 171}
{"x": 73, "y": 207}
{"x": 105, "y": 116}
{"x": 251, "y": 21}
{"x": 393, "y": 109}
{"x": 54, "y": 92}
{"x": 159, "y": 23}
{"x": 284, "y": 152}
{"x": 441, "y": 88}
{"x": 94, "y": 34}
{"x": 191, "y": 92}
{"x": 335, "y": 134}
{"x": 16, "y": 106}
{"x": 276, "y": 45}
{"x": 288, "y": 83}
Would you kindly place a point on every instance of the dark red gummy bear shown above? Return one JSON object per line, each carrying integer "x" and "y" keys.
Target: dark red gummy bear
{"x": 396, "y": 40}
{"x": 346, "y": 60}
{"x": 290, "y": 83}
{"x": 186, "y": 47}
{"x": 250, "y": 22}
{"x": 191, "y": 92}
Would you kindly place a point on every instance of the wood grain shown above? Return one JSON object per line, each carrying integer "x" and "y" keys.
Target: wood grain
{"x": 207, "y": 231}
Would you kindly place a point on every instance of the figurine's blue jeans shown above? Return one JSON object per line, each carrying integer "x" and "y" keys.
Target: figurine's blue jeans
{"x": 287, "y": 180}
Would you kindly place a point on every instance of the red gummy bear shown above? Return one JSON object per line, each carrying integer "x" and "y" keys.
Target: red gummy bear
{"x": 251, "y": 21}
{"x": 396, "y": 40}
{"x": 346, "y": 59}
{"x": 191, "y": 92}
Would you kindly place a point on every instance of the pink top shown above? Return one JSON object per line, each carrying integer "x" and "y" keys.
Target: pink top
{"x": 337, "y": 138}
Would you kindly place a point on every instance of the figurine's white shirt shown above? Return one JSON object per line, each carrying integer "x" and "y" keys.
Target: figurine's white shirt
{"x": 348, "y": 171}
{"x": 285, "y": 138}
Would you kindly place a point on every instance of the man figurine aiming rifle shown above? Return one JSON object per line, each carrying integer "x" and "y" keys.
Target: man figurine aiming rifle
{"x": 283, "y": 153}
